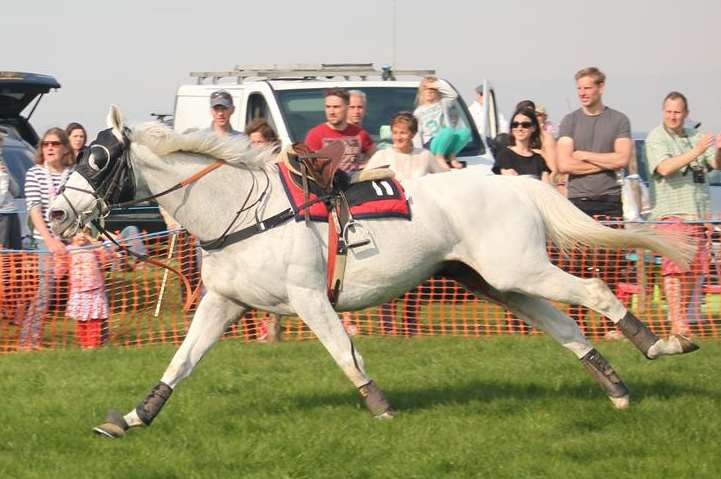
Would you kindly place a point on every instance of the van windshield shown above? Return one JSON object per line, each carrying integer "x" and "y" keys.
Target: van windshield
{"x": 304, "y": 109}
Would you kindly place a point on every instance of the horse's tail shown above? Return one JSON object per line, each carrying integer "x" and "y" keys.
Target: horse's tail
{"x": 568, "y": 228}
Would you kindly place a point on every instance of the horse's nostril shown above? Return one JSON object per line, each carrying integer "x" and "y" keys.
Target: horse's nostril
{"x": 57, "y": 215}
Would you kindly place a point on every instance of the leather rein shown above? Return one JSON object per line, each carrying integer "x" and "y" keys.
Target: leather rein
{"x": 224, "y": 239}
{"x": 105, "y": 208}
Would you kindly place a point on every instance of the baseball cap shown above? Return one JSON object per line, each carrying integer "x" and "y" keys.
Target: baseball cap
{"x": 479, "y": 89}
{"x": 221, "y": 98}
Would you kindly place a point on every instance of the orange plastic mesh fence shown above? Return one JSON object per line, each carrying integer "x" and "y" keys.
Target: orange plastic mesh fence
{"x": 145, "y": 302}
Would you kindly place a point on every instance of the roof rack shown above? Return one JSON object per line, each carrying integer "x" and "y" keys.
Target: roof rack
{"x": 308, "y": 72}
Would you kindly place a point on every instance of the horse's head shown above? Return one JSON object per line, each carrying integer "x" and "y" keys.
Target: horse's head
{"x": 103, "y": 176}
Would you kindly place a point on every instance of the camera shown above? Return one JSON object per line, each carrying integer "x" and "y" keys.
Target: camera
{"x": 699, "y": 176}
{"x": 697, "y": 173}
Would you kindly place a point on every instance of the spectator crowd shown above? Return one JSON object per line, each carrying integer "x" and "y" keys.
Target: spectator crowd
{"x": 585, "y": 157}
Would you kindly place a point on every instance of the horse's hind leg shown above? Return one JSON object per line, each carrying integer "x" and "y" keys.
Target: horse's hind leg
{"x": 208, "y": 325}
{"x": 554, "y": 284}
{"x": 315, "y": 310}
{"x": 542, "y": 315}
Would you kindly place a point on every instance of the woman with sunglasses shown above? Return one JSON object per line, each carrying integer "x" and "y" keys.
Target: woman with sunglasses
{"x": 519, "y": 157}
{"x": 54, "y": 160}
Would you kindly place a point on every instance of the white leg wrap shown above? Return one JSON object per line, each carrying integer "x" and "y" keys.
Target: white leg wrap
{"x": 665, "y": 347}
{"x": 132, "y": 419}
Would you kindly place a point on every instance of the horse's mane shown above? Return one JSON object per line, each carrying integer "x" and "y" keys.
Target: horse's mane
{"x": 163, "y": 140}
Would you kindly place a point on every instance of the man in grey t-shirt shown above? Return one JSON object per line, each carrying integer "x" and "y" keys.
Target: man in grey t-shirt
{"x": 594, "y": 141}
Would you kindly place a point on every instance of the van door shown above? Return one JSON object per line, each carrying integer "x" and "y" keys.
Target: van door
{"x": 491, "y": 111}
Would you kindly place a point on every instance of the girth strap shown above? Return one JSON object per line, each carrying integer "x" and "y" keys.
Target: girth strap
{"x": 252, "y": 230}
{"x": 245, "y": 233}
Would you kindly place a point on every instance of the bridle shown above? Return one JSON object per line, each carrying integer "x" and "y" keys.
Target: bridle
{"x": 115, "y": 188}
{"x": 111, "y": 180}
{"x": 107, "y": 168}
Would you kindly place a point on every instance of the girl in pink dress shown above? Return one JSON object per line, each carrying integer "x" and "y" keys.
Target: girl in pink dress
{"x": 88, "y": 303}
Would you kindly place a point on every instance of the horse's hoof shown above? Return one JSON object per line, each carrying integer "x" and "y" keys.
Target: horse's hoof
{"x": 114, "y": 425}
{"x": 621, "y": 402}
{"x": 386, "y": 416}
{"x": 374, "y": 400}
{"x": 687, "y": 346}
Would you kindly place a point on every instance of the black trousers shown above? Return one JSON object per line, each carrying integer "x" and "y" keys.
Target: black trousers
{"x": 608, "y": 206}
{"x": 604, "y": 264}
{"x": 10, "y": 231}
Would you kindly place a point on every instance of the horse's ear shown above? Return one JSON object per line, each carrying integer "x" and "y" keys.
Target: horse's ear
{"x": 115, "y": 121}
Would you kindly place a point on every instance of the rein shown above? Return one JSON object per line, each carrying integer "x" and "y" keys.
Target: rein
{"x": 105, "y": 210}
{"x": 224, "y": 239}
{"x": 189, "y": 296}
{"x": 182, "y": 184}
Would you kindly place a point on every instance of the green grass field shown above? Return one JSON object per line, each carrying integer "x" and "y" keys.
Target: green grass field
{"x": 501, "y": 407}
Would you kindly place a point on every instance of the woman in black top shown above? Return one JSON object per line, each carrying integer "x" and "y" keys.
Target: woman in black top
{"x": 518, "y": 158}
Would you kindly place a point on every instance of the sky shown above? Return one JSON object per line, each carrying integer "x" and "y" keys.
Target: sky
{"x": 136, "y": 53}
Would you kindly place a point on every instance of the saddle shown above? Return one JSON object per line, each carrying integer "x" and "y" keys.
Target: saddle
{"x": 317, "y": 173}
{"x": 320, "y": 168}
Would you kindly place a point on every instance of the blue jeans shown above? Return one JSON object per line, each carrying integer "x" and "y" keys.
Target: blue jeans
{"x": 31, "y": 327}
{"x": 130, "y": 237}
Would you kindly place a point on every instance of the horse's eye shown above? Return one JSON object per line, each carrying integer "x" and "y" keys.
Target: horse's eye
{"x": 98, "y": 158}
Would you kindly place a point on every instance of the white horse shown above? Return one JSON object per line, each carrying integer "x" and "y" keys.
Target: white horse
{"x": 487, "y": 232}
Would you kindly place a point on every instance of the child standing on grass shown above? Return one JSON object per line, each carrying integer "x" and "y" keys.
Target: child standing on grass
{"x": 88, "y": 303}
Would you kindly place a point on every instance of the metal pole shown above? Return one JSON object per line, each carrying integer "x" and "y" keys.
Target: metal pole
{"x": 394, "y": 35}
{"x": 171, "y": 249}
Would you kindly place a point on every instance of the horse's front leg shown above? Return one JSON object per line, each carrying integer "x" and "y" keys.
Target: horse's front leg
{"x": 208, "y": 325}
{"x": 316, "y": 311}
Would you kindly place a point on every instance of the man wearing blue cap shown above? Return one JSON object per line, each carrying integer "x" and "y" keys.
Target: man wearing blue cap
{"x": 221, "y": 109}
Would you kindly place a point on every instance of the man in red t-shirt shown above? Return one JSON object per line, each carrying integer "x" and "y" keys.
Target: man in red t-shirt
{"x": 358, "y": 143}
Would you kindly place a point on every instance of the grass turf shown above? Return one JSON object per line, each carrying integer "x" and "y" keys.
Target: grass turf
{"x": 496, "y": 407}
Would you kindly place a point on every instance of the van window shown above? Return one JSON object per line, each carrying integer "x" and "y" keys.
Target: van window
{"x": 258, "y": 108}
{"x": 304, "y": 109}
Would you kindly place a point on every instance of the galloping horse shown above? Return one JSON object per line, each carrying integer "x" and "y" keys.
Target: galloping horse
{"x": 487, "y": 232}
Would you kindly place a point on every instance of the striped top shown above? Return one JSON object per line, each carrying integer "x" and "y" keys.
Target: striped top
{"x": 41, "y": 187}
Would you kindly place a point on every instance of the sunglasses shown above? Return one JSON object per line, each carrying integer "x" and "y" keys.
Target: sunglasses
{"x": 521, "y": 124}
{"x": 51, "y": 143}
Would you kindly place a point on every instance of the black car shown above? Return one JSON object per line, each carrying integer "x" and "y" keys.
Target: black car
{"x": 146, "y": 217}
{"x": 17, "y": 91}
{"x": 21, "y": 91}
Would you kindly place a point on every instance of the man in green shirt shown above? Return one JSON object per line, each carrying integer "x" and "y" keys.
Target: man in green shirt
{"x": 678, "y": 159}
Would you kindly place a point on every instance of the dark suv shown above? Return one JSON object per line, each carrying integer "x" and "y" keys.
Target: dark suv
{"x": 21, "y": 91}
{"x": 18, "y": 91}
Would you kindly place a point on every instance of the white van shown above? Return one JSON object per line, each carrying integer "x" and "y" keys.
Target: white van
{"x": 291, "y": 100}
